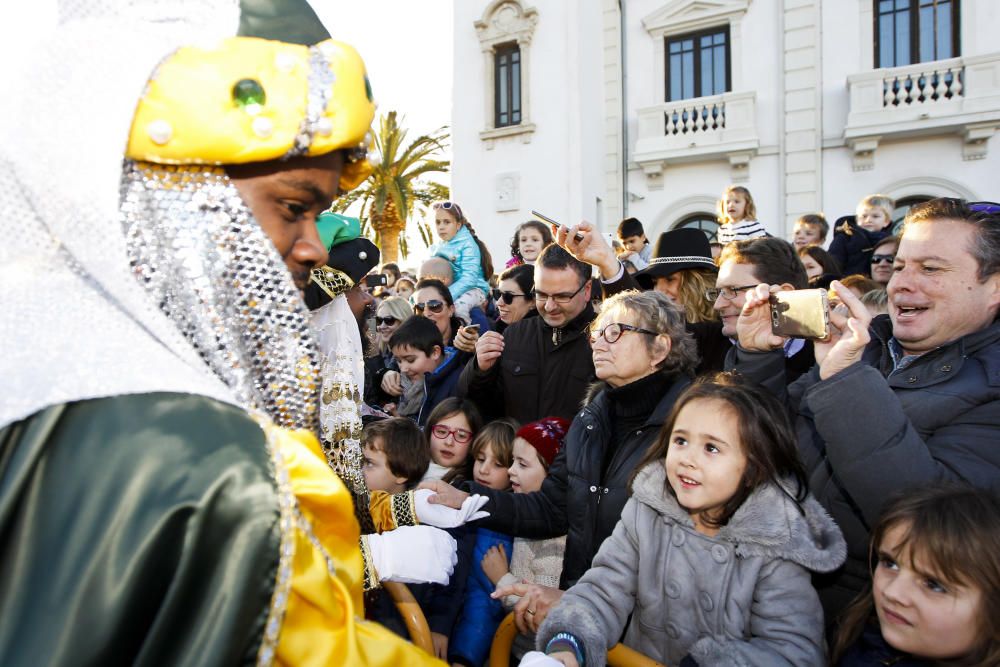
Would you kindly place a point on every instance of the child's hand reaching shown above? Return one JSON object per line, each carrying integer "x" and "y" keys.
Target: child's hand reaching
{"x": 495, "y": 563}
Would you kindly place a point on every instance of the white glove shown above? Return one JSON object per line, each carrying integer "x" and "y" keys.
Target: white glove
{"x": 443, "y": 516}
{"x": 538, "y": 659}
{"x": 414, "y": 555}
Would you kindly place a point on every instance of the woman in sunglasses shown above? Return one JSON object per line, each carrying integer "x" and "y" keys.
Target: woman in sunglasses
{"x": 514, "y": 297}
{"x": 433, "y": 301}
{"x": 389, "y": 315}
{"x": 883, "y": 255}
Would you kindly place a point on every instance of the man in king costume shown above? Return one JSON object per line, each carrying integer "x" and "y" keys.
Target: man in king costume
{"x": 163, "y": 496}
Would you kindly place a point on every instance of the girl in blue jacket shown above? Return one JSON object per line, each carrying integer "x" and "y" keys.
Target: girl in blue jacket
{"x": 470, "y": 261}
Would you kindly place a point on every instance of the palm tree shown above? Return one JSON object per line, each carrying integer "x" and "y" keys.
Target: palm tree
{"x": 389, "y": 196}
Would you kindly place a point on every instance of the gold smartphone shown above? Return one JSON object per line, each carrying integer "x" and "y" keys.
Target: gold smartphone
{"x": 801, "y": 313}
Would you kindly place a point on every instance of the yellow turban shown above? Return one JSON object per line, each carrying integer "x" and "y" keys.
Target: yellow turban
{"x": 247, "y": 99}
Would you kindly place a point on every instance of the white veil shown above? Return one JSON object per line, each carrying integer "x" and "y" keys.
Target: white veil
{"x": 76, "y": 323}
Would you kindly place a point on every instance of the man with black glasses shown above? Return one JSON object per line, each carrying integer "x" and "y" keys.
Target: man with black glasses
{"x": 541, "y": 366}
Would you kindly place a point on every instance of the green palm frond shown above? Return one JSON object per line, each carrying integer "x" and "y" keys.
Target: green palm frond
{"x": 398, "y": 179}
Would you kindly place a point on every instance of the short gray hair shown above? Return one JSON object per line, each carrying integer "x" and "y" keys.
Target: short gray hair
{"x": 654, "y": 311}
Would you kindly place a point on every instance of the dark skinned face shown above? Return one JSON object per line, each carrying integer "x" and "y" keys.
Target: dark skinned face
{"x": 286, "y": 198}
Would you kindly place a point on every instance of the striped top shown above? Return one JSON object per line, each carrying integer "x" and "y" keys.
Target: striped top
{"x": 740, "y": 231}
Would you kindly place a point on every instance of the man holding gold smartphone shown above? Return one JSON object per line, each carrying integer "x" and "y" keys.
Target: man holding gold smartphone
{"x": 904, "y": 399}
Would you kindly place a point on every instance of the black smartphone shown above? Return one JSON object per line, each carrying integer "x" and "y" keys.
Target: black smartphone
{"x": 801, "y": 313}
{"x": 555, "y": 225}
{"x": 471, "y": 327}
{"x": 376, "y": 280}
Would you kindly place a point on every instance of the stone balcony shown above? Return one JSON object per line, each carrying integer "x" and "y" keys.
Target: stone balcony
{"x": 698, "y": 129}
{"x": 955, "y": 96}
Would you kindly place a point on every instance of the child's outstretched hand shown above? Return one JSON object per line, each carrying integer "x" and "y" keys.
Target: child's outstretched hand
{"x": 495, "y": 563}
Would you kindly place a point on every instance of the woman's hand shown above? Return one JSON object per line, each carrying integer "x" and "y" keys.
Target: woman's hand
{"x": 440, "y": 645}
{"x": 753, "y": 327}
{"x": 535, "y": 604}
{"x": 848, "y": 334}
{"x": 495, "y": 563}
{"x": 392, "y": 383}
{"x": 567, "y": 658}
{"x": 465, "y": 339}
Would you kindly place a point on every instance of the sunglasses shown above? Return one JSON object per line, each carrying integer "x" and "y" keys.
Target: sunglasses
{"x": 440, "y": 431}
{"x": 448, "y": 206}
{"x": 387, "y": 321}
{"x": 878, "y": 259}
{"x": 433, "y": 305}
{"x": 506, "y": 297}
{"x": 990, "y": 207}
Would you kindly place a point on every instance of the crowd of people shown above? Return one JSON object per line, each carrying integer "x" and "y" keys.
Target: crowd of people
{"x": 723, "y": 495}
{"x": 226, "y": 429}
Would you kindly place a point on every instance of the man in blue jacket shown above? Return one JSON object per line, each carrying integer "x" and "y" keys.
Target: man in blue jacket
{"x": 909, "y": 398}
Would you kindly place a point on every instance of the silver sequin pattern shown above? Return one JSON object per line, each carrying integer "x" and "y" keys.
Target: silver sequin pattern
{"x": 194, "y": 245}
{"x": 320, "y": 83}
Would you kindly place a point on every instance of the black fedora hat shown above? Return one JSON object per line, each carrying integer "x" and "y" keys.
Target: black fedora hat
{"x": 676, "y": 250}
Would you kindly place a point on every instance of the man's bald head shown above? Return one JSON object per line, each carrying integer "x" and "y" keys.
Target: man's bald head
{"x": 437, "y": 267}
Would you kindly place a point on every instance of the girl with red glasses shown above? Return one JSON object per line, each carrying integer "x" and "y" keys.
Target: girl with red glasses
{"x": 452, "y": 425}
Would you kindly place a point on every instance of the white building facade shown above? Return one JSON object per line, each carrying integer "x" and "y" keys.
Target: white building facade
{"x": 605, "y": 109}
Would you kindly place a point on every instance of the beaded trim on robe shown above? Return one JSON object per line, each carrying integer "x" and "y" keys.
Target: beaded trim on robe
{"x": 288, "y": 515}
{"x": 404, "y": 512}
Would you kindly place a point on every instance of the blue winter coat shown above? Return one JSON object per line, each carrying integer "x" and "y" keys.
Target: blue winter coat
{"x": 481, "y": 614}
{"x": 462, "y": 252}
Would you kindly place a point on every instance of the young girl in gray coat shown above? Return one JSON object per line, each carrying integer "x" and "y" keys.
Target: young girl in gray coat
{"x": 712, "y": 555}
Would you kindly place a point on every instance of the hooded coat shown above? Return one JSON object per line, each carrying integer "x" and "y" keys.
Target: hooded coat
{"x": 741, "y": 597}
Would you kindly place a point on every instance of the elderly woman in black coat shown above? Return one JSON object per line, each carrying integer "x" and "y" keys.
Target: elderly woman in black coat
{"x": 643, "y": 358}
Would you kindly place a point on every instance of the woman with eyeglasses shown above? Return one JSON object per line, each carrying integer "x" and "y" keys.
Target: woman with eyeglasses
{"x": 644, "y": 358}
{"x": 389, "y": 315}
{"x": 514, "y": 297}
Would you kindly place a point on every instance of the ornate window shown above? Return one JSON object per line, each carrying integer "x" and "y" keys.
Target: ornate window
{"x": 507, "y": 85}
{"x": 915, "y": 31}
{"x": 698, "y": 64}
{"x": 505, "y": 31}
{"x": 717, "y": 26}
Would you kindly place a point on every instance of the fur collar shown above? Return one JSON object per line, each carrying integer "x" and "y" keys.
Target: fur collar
{"x": 769, "y": 524}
